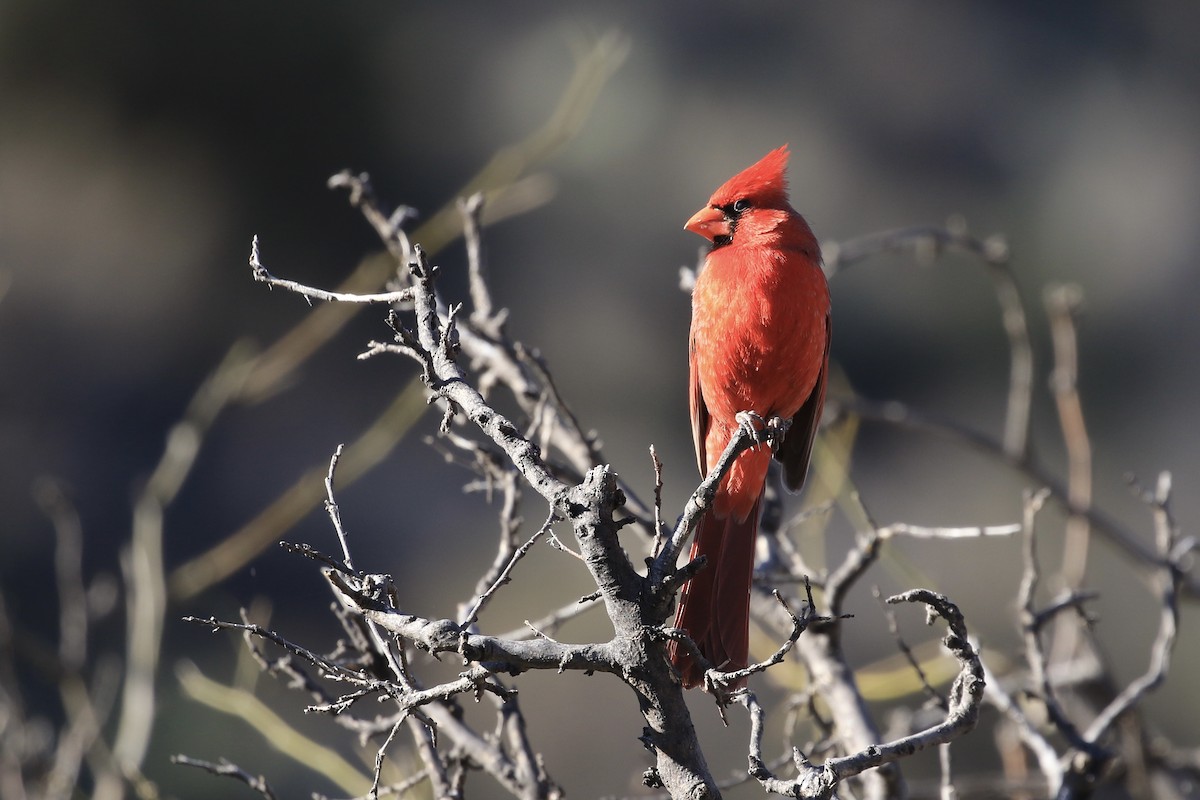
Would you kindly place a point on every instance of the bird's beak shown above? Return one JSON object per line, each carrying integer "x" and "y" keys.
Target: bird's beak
{"x": 709, "y": 222}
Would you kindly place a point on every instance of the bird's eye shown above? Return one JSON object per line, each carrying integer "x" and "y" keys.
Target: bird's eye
{"x": 741, "y": 205}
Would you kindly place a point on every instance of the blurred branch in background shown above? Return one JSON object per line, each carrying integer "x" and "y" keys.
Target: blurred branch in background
{"x": 926, "y": 243}
{"x": 245, "y": 706}
{"x": 144, "y": 570}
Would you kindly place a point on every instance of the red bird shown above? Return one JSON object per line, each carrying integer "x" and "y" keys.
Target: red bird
{"x": 759, "y": 343}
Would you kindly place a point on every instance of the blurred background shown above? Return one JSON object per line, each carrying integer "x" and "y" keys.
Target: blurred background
{"x": 143, "y": 144}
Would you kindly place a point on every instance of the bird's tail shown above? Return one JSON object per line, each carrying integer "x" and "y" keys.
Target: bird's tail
{"x": 714, "y": 606}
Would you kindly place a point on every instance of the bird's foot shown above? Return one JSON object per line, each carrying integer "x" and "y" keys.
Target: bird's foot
{"x": 763, "y": 431}
{"x": 752, "y": 425}
{"x": 777, "y": 428}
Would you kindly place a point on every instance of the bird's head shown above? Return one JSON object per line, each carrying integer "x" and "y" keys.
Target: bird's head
{"x": 761, "y": 187}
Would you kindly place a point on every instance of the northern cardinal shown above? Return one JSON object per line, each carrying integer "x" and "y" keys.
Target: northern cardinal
{"x": 759, "y": 343}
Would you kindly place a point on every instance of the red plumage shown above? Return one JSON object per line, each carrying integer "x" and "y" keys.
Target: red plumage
{"x": 759, "y": 342}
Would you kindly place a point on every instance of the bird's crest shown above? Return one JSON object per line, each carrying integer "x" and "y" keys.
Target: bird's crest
{"x": 765, "y": 183}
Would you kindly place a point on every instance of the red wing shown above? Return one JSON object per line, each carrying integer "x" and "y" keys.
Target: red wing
{"x": 796, "y": 449}
{"x": 699, "y": 412}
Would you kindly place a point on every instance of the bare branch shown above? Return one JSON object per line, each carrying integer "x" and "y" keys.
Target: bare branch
{"x": 906, "y": 651}
{"x": 228, "y": 769}
{"x": 659, "y": 528}
{"x": 331, "y": 507}
{"x": 395, "y": 790}
{"x": 743, "y": 438}
{"x": 966, "y": 696}
{"x": 554, "y": 619}
{"x": 482, "y": 314}
{"x": 960, "y": 532}
{"x": 83, "y": 721}
{"x": 1062, "y": 304}
{"x": 502, "y": 655}
{"x": 329, "y": 668}
{"x": 857, "y": 561}
{"x": 390, "y": 227}
{"x": 1035, "y": 654}
{"x": 262, "y": 275}
{"x": 1087, "y": 767}
{"x": 718, "y": 682}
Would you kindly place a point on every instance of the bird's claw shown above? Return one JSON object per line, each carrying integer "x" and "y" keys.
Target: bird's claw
{"x": 763, "y": 431}
{"x": 778, "y": 428}
{"x": 753, "y": 425}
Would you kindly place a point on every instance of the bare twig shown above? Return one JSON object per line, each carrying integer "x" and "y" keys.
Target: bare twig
{"x": 1070, "y": 642}
{"x": 482, "y": 313}
{"x": 717, "y": 681}
{"x": 743, "y": 438}
{"x": 659, "y": 529}
{"x": 960, "y": 532}
{"x": 329, "y": 668}
{"x": 445, "y": 636}
{"x": 906, "y": 651}
{"x": 857, "y": 561}
{"x": 505, "y": 574}
{"x": 394, "y": 790}
{"x": 331, "y": 507}
{"x": 263, "y": 275}
{"x": 1035, "y": 654}
{"x": 228, "y": 769}
{"x": 554, "y": 619}
{"x": 83, "y": 720}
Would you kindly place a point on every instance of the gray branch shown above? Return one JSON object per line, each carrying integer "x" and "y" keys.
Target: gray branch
{"x": 966, "y": 695}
